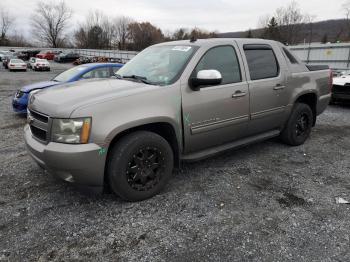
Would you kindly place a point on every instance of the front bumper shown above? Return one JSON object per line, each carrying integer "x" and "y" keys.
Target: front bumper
{"x": 341, "y": 96}
{"x": 17, "y": 68}
{"x": 19, "y": 105}
{"x": 80, "y": 164}
{"x": 41, "y": 68}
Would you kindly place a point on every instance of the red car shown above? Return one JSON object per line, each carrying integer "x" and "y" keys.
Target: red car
{"x": 49, "y": 55}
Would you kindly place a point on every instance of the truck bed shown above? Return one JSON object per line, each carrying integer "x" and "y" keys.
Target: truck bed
{"x": 317, "y": 67}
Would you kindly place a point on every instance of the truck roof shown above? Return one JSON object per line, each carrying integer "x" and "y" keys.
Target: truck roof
{"x": 210, "y": 41}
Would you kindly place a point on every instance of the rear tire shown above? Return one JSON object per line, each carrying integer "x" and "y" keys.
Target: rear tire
{"x": 139, "y": 165}
{"x": 299, "y": 125}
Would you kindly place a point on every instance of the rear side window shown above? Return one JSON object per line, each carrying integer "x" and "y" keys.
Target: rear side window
{"x": 289, "y": 55}
{"x": 223, "y": 59}
{"x": 262, "y": 62}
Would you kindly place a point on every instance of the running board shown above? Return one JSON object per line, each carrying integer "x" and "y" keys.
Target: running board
{"x": 233, "y": 145}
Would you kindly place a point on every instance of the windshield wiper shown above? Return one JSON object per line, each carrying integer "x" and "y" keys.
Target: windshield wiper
{"x": 139, "y": 78}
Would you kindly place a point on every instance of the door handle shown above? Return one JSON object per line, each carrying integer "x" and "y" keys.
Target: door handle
{"x": 238, "y": 94}
{"x": 279, "y": 87}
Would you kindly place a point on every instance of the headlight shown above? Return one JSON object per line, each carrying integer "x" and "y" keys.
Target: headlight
{"x": 71, "y": 131}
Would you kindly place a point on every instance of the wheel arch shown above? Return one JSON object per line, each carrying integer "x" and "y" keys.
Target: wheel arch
{"x": 164, "y": 129}
{"x": 309, "y": 99}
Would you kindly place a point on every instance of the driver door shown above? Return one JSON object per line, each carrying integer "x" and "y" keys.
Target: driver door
{"x": 218, "y": 114}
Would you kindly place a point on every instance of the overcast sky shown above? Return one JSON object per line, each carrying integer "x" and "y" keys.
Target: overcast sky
{"x": 220, "y": 15}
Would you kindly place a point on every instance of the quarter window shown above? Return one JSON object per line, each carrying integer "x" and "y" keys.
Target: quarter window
{"x": 290, "y": 57}
{"x": 262, "y": 62}
{"x": 97, "y": 73}
{"x": 223, "y": 59}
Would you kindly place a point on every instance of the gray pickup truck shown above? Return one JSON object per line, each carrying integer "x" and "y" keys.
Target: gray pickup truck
{"x": 173, "y": 102}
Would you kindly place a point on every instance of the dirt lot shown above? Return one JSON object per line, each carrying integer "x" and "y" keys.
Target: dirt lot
{"x": 266, "y": 202}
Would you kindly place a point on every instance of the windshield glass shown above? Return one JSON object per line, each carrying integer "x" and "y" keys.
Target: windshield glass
{"x": 16, "y": 61}
{"x": 67, "y": 75}
{"x": 159, "y": 65}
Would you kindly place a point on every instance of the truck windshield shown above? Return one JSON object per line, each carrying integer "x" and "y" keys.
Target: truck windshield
{"x": 158, "y": 65}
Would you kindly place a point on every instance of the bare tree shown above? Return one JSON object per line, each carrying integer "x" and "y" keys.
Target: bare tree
{"x": 264, "y": 21}
{"x": 121, "y": 25}
{"x": 50, "y": 22}
{"x": 181, "y": 34}
{"x": 6, "y": 21}
{"x": 290, "y": 18}
{"x": 17, "y": 39}
{"x": 97, "y": 31}
{"x": 144, "y": 34}
{"x": 346, "y": 8}
{"x": 309, "y": 20}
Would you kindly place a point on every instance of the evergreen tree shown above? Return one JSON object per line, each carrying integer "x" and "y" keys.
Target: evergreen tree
{"x": 324, "y": 39}
{"x": 249, "y": 34}
{"x": 272, "y": 31}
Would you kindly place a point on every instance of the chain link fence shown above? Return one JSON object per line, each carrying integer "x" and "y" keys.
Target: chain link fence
{"x": 336, "y": 56}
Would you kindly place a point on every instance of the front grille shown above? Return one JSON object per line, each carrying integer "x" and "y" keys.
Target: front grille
{"x": 39, "y": 125}
{"x": 341, "y": 89}
{"x": 38, "y": 133}
{"x": 40, "y": 117}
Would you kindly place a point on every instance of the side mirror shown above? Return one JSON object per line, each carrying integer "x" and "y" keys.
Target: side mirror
{"x": 205, "y": 78}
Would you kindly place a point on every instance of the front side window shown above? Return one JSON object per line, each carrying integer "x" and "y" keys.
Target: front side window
{"x": 224, "y": 60}
{"x": 262, "y": 62}
{"x": 159, "y": 65}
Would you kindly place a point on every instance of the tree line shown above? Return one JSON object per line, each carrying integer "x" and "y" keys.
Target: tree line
{"x": 52, "y": 21}
{"x": 290, "y": 25}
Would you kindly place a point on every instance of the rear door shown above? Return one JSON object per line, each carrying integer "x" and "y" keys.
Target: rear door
{"x": 267, "y": 86}
{"x": 215, "y": 115}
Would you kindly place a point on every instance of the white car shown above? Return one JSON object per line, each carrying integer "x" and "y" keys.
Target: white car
{"x": 2, "y": 55}
{"x": 17, "y": 64}
{"x": 39, "y": 64}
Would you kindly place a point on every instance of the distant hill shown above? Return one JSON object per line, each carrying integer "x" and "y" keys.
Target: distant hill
{"x": 334, "y": 29}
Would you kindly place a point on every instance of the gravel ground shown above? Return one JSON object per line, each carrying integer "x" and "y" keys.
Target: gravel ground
{"x": 266, "y": 202}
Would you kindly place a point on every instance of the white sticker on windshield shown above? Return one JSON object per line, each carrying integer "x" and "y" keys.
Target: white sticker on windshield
{"x": 182, "y": 48}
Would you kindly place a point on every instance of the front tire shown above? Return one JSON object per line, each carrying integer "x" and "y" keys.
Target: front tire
{"x": 299, "y": 125}
{"x": 139, "y": 165}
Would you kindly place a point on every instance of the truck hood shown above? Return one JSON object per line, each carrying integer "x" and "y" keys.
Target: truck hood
{"x": 62, "y": 100}
{"x": 341, "y": 80}
{"x": 39, "y": 85}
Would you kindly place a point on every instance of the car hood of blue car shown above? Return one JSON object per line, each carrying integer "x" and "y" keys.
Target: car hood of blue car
{"x": 39, "y": 85}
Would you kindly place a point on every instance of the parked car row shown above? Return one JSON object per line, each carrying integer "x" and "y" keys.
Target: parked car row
{"x": 96, "y": 59}
{"x": 13, "y": 63}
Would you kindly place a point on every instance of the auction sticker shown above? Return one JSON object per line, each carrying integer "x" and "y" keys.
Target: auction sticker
{"x": 182, "y": 48}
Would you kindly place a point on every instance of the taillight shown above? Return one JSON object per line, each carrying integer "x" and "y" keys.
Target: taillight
{"x": 330, "y": 80}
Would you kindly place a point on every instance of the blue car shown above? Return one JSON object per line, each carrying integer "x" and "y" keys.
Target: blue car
{"x": 86, "y": 71}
